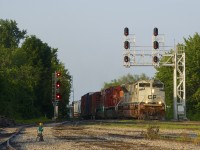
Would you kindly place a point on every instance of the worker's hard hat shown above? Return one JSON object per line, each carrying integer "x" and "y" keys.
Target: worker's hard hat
{"x": 41, "y": 124}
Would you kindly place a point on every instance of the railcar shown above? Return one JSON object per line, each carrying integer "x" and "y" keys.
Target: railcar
{"x": 141, "y": 100}
{"x": 86, "y": 104}
{"x": 110, "y": 99}
{"x": 77, "y": 109}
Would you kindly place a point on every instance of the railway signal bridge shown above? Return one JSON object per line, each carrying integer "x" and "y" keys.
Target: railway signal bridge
{"x": 157, "y": 56}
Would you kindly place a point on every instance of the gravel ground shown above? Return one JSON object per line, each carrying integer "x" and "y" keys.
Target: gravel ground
{"x": 83, "y": 137}
{"x": 5, "y": 133}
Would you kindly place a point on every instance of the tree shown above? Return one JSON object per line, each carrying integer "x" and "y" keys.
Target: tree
{"x": 10, "y": 35}
{"x": 44, "y": 58}
{"x": 26, "y": 74}
{"x": 125, "y": 79}
{"x": 165, "y": 74}
{"x": 193, "y": 75}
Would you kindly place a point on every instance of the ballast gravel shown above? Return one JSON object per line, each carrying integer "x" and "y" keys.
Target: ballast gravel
{"x": 96, "y": 137}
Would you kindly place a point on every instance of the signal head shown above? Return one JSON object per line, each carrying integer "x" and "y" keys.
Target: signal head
{"x": 126, "y": 31}
{"x": 155, "y": 59}
{"x": 58, "y": 84}
{"x": 58, "y": 74}
{"x": 126, "y": 59}
{"x": 155, "y": 31}
{"x": 126, "y": 45}
{"x": 58, "y": 96}
{"x": 155, "y": 45}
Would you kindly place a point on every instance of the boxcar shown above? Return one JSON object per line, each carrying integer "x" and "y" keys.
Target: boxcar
{"x": 86, "y": 104}
{"x": 76, "y": 109}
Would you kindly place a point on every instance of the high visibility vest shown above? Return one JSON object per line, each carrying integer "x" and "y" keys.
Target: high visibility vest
{"x": 40, "y": 129}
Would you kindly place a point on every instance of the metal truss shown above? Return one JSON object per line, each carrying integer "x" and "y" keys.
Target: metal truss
{"x": 179, "y": 83}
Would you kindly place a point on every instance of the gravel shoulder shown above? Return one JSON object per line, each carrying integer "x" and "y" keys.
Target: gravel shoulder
{"x": 96, "y": 136}
{"x": 5, "y": 133}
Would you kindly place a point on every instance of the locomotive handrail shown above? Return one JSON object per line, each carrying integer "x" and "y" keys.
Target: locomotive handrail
{"x": 116, "y": 107}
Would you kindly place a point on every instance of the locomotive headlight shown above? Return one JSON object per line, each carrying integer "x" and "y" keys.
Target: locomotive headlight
{"x": 159, "y": 102}
{"x": 152, "y": 91}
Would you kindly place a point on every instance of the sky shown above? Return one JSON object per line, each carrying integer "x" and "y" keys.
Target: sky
{"x": 89, "y": 33}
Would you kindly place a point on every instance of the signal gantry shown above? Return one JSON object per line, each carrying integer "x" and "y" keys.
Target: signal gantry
{"x": 159, "y": 56}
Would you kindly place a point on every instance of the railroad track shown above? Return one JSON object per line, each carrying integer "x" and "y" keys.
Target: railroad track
{"x": 81, "y": 134}
{"x": 6, "y": 137}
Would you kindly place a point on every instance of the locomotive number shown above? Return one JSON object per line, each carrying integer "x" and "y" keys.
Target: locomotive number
{"x": 150, "y": 96}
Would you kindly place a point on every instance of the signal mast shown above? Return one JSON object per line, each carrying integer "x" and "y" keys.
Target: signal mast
{"x": 157, "y": 56}
{"x": 56, "y": 96}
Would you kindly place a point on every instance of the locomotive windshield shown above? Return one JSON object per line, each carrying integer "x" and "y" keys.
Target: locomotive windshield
{"x": 158, "y": 85}
{"x": 144, "y": 84}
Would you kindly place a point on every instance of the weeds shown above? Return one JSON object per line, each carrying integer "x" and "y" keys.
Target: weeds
{"x": 196, "y": 141}
{"x": 151, "y": 133}
{"x": 185, "y": 137}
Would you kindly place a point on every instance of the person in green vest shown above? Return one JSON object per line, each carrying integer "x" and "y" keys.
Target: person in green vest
{"x": 39, "y": 132}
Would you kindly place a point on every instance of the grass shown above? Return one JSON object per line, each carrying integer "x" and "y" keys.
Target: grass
{"x": 33, "y": 121}
{"x": 153, "y": 127}
{"x": 162, "y": 125}
{"x": 196, "y": 141}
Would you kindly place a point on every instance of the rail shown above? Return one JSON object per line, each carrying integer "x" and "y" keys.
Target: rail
{"x": 6, "y": 144}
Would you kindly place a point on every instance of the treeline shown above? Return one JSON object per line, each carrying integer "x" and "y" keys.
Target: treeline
{"x": 165, "y": 74}
{"x": 129, "y": 78}
{"x": 26, "y": 67}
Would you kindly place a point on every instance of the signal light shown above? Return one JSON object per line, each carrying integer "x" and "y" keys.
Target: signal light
{"x": 155, "y": 45}
{"x": 58, "y": 96}
{"x": 57, "y": 84}
{"x": 126, "y": 59}
{"x": 155, "y": 59}
{"x": 126, "y": 31}
{"x": 126, "y": 44}
{"x": 58, "y": 74}
{"x": 155, "y": 31}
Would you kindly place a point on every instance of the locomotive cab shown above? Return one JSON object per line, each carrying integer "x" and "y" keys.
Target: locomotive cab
{"x": 149, "y": 92}
{"x": 144, "y": 99}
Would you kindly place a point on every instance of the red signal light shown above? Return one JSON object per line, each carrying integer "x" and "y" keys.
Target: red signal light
{"x": 58, "y": 96}
{"x": 58, "y": 74}
{"x": 57, "y": 84}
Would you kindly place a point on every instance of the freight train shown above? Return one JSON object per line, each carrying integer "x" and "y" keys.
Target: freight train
{"x": 141, "y": 100}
